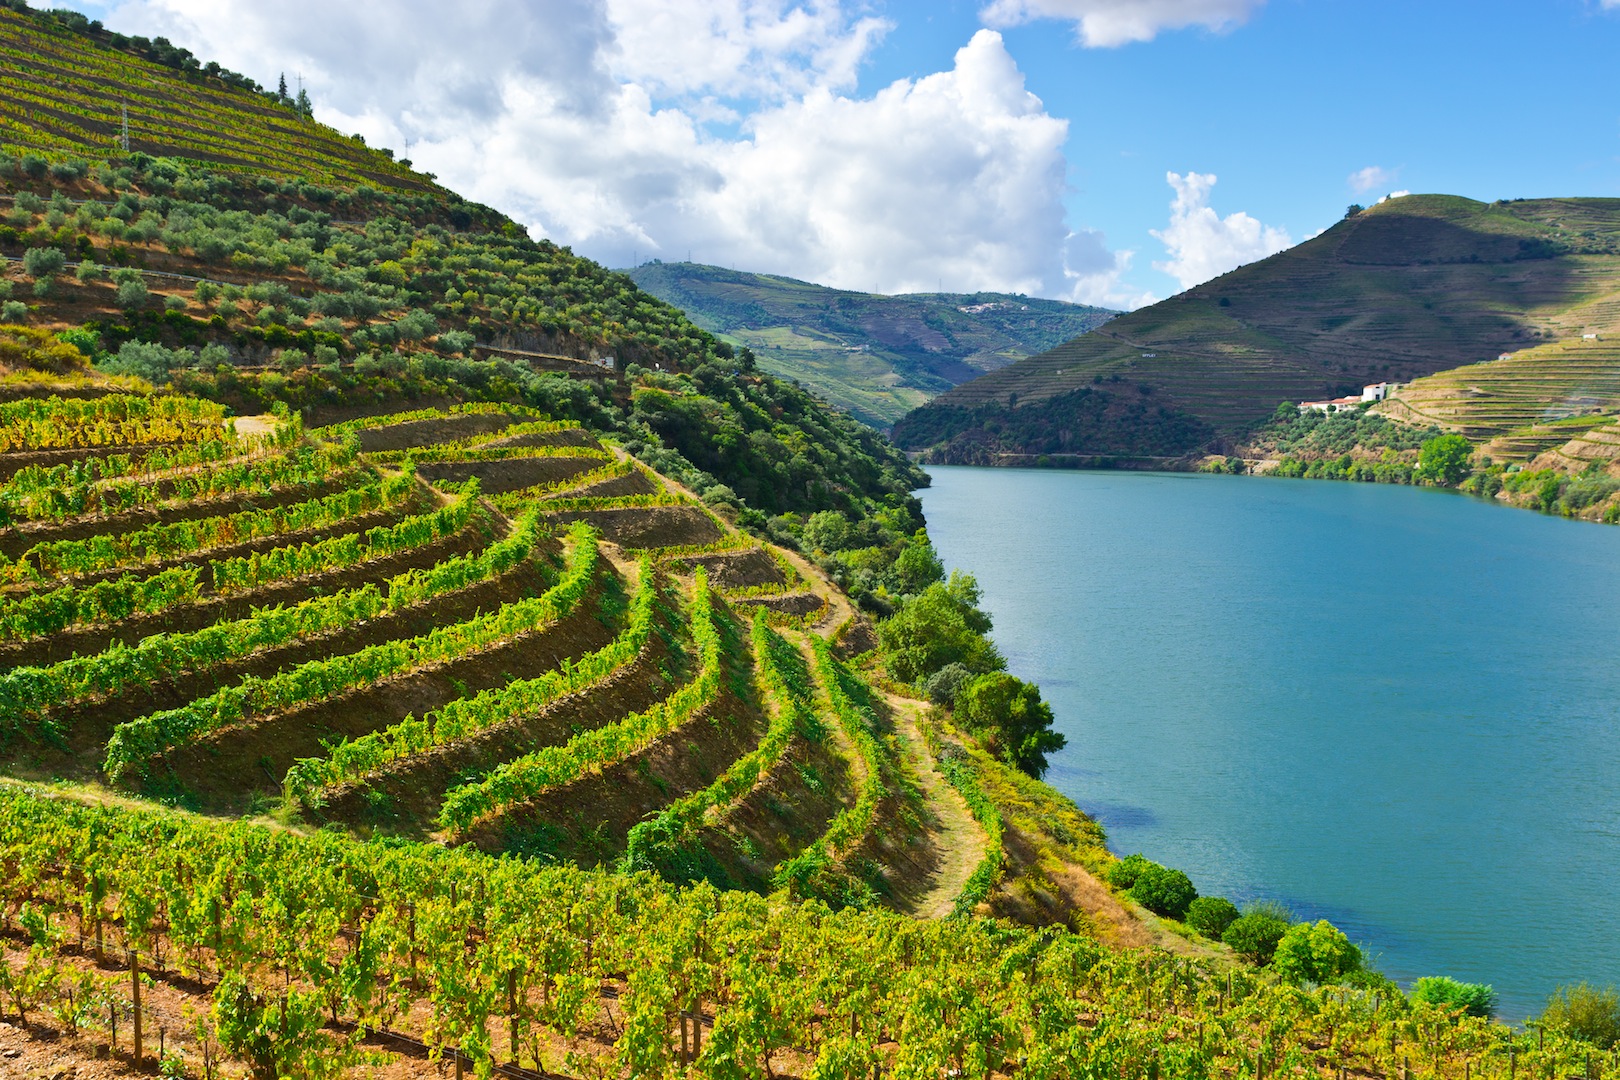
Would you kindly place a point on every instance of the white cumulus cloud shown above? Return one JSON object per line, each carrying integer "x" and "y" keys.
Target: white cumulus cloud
{"x": 1201, "y": 243}
{"x": 731, "y": 130}
{"x": 1370, "y": 179}
{"x": 1110, "y": 23}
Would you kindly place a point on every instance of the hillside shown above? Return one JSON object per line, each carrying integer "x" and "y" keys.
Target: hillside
{"x": 64, "y": 91}
{"x": 876, "y": 356}
{"x": 423, "y": 652}
{"x": 1405, "y": 289}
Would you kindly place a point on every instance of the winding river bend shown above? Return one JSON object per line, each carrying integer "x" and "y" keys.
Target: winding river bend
{"x": 1397, "y": 709}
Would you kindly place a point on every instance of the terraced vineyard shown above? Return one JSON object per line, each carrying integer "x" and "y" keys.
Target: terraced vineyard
{"x": 344, "y": 628}
{"x": 1560, "y": 398}
{"x": 48, "y": 112}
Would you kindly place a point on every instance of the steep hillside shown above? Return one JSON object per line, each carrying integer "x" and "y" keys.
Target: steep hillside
{"x": 66, "y": 91}
{"x": 876, "y": 356}
{"x": 1404, "y": 289}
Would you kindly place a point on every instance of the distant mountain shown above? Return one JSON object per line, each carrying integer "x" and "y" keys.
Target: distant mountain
{"x": 876, "y": 356}
{"x": 1407, "y": 288}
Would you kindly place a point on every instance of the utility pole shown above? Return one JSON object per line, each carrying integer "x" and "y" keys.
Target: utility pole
{"x": 408, "y": 144}
{"x": 123, "y": 140}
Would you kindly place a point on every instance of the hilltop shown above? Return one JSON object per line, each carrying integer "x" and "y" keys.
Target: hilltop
{"x": 1401, "y": 290}
{"x": 876, "y": 356}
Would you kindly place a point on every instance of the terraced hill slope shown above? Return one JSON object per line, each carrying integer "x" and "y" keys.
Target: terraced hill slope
{"x": 876, "y": 356}
{"x": 64, "y": 97}
{"x": 1405, "y": 289}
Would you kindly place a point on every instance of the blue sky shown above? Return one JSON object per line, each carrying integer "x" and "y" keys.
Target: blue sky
{"x": 893, "y": 145}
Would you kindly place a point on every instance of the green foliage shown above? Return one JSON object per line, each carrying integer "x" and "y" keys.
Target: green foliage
{"x": 1123, "y": 873}
{"x": 1211, "y": 915}
{"x": 944, "y": 685}
{"x": 1585, "y": 1012}
{"x": 1163, "y": 891}
{"x": 1315, "y": 952}
{"x": 43, "y": 262}
{"x": 1475, "y": 999}
{"x": 1444, "y": 459}
{"x": 1254, "y": 936}
{"x": 941, "y": 625}
{"x": 1010, "y": 716}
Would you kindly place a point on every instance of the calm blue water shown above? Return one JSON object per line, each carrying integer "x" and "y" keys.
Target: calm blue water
{"x": 1397, "y": 709}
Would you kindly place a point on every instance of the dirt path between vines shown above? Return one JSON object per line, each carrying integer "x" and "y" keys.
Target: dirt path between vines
{"x": 956, "y": 839}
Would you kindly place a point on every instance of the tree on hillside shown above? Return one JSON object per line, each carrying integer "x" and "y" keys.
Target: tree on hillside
{"x": 281, "y": 87}
{"x": 940, "y": 625}
{"x": 1010, "y": 715}
{"x": 1445, "y": 459}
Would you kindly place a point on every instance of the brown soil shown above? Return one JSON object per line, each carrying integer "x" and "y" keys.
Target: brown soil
{"x": 736, "y": 569}
{"x": 415, "y": 433}
{"x": 612, "y": 488}
{"x": 786, "y": 812}
{"x": 859, "y": 638}
{"x": 648, "y": 526}
{"x": 225, "y": 769}
{"x": 565, "y": 437}
{"x": 316, "y": 416}
{"x": 44, "y": 1050}
{"x": 186, "y": 618}
{"x": 16, "y": 461}
{"x": 587, "y": 821}
{"x": 17, "y": 539}
{"x": 495, "y": 477}
{"x": 796, "y": 604}
{"x": 359, "y": 523}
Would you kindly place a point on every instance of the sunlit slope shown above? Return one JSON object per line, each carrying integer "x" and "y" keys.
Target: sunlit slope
{"x": 1407, "y": 288}
{"x": 876, "y": 356}
{"x": 62, "y": 94}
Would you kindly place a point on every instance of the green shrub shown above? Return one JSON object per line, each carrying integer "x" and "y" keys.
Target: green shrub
{"x": 1164, "y": 891}
{"x": 1254, "y": 936}
{"x": 1211, "y": 915}
{"x": 1586, "y": 1013}
{"x": 1315, "y": 952}
{"x": 1475, "y": 999}
{"x": 1010, "y": 715}
{"x": 943, "y": 685}
{"x": 44, "y": 262}
{"x": 13, "y": 311}
{"x": 1123, "y": 874}
{"x": 132, "y": 295}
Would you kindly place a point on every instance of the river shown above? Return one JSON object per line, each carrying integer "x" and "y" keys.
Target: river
{"x": 1390, "y": 707}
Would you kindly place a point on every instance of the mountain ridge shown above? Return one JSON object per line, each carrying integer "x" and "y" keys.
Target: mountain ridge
{"x": 1398, "y": 291}
{"x": 875, "y": 355}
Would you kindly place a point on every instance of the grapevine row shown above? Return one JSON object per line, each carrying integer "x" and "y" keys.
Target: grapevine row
{"x": 56, "y": 558}
{"x": 499, "y": 957}
{"x": 26, "y": 691}
{"x": 61, "y": 491}
{"x": 678, "y": 819}
{"x": 135, "y": 741}
{"x": 520, "y": 780}
{"x": 354, "y": 759}
{"x": 337, "y": 552}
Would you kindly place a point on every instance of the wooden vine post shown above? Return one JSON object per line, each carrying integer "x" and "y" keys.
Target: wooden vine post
{"x": 135, "y": 994}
